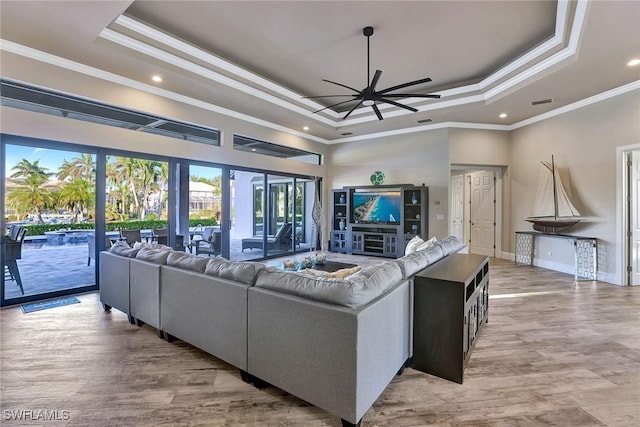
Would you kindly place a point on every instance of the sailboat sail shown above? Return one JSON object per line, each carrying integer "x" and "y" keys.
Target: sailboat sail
{"x": 553, "y": 211}
{"x": 549, "y": 202}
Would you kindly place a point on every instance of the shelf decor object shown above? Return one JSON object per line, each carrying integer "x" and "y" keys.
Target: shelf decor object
{"x": 377, "y": 178}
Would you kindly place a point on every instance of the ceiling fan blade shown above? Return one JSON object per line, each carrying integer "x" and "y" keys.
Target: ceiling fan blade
{"x": 340, "y": 84}
{"x": 352, "y": 110}
{"x": 334, "y": 105}
{"x": 416, "y": 82}
{"x": 397, "y": 104}
{"x": 374, "y": 82}
{"x": 375, "y": 108}
{"x": 410, "y": 95}
{"x": 324, "y": 96}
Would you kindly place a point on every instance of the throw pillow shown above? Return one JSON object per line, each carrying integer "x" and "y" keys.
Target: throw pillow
{"x": 425, "y": 245}
{"x": 338, "y": 274}
{"x": 413, "y": 244}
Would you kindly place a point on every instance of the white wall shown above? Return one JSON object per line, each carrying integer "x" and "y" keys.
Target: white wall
{"x": 405, "y": 159}
{"x": 584, "y": 144}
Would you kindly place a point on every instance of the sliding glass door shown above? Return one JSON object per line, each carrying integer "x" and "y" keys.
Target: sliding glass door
{"x": 49, "y": 206}
{"x": 271, "y": 215}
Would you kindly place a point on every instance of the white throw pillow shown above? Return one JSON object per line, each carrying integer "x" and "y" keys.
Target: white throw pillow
{"x": 413, "y": 245}
{"x": 426, "y": 244}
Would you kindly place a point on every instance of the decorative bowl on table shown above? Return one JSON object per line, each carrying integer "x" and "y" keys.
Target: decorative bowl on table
{"x": 289, "y": 265}
{"x": 306, "y": 262}
{"x": 320, "y": 258}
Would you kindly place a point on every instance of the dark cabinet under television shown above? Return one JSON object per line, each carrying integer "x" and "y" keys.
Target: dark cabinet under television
{"x": 378, "y": 220}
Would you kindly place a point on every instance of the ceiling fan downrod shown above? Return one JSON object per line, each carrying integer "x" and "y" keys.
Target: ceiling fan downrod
{"x": 368, "y": 32}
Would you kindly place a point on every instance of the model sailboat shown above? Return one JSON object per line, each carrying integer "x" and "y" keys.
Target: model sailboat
{"x": 553, "y": 210}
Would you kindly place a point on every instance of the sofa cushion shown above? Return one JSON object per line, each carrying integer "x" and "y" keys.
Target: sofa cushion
{"x": 146, "y": 245}
{"x": 419, "y": 260}
{"x": 121, "y": 248}
{"x": 156, "y": 256}
{"x": 450, "y": 244}
{"x": 187, "y": 261}
{"x": 352, "y": 291}
{"x": 244, "y": 272}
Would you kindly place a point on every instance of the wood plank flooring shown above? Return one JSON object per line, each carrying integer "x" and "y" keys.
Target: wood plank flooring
{"x": 555, "y": 352}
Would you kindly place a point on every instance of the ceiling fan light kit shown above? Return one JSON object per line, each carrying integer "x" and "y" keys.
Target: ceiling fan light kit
{"x": 368, "y": 96}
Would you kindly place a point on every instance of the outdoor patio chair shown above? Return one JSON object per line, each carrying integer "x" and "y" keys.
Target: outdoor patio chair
{"x": 281, "y": 240}
{"x": 131, "y": 236}
{"x": 211, "y": 242}
{"x": 13, "y": 252}
{"x": 91, "y": 240}
{"x": 160, "y": 235}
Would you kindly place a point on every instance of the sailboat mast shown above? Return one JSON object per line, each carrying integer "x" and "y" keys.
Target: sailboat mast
{"x": 555, "y": 189}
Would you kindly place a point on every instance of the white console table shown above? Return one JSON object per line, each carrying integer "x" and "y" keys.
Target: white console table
{"x": 585, "y": 252}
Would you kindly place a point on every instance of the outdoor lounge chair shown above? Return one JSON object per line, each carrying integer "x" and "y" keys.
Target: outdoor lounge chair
{"x": 13, "y": 252}
{"x": 211, "y": 242}
{"x": 281, "y": 240}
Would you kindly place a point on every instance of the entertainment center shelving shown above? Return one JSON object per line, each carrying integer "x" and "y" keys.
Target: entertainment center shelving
{"x": 378, "y": 219}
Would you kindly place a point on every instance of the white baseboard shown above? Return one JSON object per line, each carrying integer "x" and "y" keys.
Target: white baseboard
{"x": 603, "y": 276}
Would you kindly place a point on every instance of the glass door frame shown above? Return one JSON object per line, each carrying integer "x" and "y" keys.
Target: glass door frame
{"x": 6, "y": 139}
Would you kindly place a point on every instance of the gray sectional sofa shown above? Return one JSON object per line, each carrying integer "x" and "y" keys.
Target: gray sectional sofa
{"x": 334, "y": 342}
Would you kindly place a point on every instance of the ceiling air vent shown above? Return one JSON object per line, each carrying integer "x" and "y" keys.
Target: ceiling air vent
{"x": 346, "y": 133}
{"x": 542, "y": 101}
{"x": 425, "y": 120}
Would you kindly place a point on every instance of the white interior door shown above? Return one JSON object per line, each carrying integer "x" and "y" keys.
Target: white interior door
{"x": 483, "y": 213}
{"x": 635, "y": 218}
{"x": 457, "y": 206}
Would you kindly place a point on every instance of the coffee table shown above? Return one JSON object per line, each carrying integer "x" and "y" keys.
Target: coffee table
{"x": 332, "y": 266}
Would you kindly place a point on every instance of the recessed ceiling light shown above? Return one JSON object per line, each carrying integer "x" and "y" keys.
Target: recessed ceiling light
{"x": 633, "y": 62}
{"x": 156, "y": 78}
{"x": 503, "y": 116}
{"x": 253, "y": 149}
{"x": 306, "y": 128}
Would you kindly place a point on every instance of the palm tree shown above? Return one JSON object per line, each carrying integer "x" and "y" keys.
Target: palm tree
{"x": 24, "y": 168}
{"x": 31, "y": 196}
{"x": 163, "y": 180}
{"x": 122, "y": 173}
{"x": 77, "y": 195}
{"x": 79, "y": 167}
{"x": 147, "y": 177}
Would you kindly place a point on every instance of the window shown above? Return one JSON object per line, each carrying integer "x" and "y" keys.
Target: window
{"x": 243, "y": 143}
{"x": 45, "y": 101}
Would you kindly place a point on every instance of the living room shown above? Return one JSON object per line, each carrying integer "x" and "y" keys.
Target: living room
{"x": 589, "y": 128}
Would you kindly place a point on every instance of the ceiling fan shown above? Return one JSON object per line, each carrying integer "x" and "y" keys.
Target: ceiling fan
{"x": 369, "y": 96}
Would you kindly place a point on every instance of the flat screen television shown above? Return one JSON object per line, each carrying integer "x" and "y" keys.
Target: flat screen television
{"x": 376, "y": 206}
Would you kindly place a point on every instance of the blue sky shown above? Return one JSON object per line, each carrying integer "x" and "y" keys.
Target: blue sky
{"x": 52, "y": 159}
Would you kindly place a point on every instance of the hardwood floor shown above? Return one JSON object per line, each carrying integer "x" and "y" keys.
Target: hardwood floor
{"x": 555, "y": 352}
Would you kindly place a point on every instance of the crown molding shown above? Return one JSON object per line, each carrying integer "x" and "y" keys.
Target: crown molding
{"x": 362, "y": 114}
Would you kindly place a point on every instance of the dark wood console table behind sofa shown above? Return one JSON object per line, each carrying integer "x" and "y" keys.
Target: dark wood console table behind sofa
{"x": 451, "y": 304}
